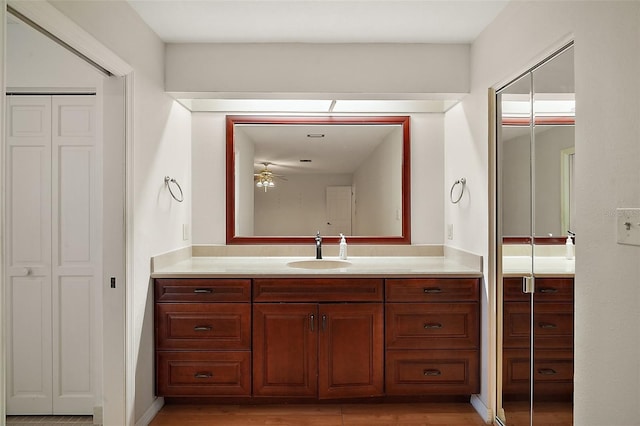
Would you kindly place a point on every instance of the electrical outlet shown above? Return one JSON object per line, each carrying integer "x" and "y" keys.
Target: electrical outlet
{"x": 450, "y": 231}
{"x": 628, "y": 226}
{"x": 185, "y": 231}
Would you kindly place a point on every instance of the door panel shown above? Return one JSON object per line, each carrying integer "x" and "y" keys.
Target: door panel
{"x": 76, "y": 252}
{"x": 349, "y": 334}
{"x": 54, "y": 252}
{"x": 28, "y": 260}
{"x": 285, "y": 349}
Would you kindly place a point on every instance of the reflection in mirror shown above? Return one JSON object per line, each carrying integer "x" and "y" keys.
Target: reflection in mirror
{"x": 535, "y": 162}
{"x": 554, "y": 153}
{"x": 290, "y": 177}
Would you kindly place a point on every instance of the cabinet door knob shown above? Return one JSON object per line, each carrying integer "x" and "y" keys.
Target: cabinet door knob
{"x": 431, "y": 372}
{"x": 432, "y": 325}
{"x": 547, "y": 371}
{"x": 312, "y": 320}
{"x": 203, "y": 375}
{"x": 202, "y": 328}
{"x": 431, "y": 290}
{"x": 203, "y": 290}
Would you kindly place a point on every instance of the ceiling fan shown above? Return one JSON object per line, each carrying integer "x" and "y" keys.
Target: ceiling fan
{"x": 265, "y": 177}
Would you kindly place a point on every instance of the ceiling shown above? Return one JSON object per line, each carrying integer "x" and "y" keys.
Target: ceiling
{"x": 316, "y": 149}
{"x": 318, "y": 21}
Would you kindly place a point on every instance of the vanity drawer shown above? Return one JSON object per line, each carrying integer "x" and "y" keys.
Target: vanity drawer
{"x": 547, "y": 290}
{"x": 202, "y": 290}
{"x": 219, "y": 326}
{"x": 553, "y": 374}
{"x": 553, "y": 325}
{"x": 432, "y": 326}
{"x": 203, "y": 373}
{"x": 432, "y": 290}
{"x": 317, "y": 290}
{"x": 432, "y": 372}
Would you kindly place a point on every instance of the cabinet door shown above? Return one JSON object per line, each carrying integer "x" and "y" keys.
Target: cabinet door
{"x": 285, "y": 349}
{"x": 351, "y": 362}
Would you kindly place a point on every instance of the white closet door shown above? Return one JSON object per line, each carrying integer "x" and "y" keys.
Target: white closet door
{"x": 53, "y": 255}
{"x": 28, "y": 255}
{"x": 76, "y": 253}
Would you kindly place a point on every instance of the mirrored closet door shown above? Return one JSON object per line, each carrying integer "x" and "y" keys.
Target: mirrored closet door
{"x": 535, "y": 118}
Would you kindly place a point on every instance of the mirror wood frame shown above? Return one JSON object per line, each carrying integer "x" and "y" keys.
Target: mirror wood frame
{"x": 403, "y": 121}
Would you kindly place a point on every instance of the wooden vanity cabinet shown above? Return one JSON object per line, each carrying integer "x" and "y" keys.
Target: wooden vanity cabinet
{"x": 432, "y": 332}
{"x": 318, "y": 338}
{"x": 203, "y": 337}
{"x": 553, "y": 339}
{"x": 309, "y": 338}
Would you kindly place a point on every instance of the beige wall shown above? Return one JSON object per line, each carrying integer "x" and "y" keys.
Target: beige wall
{"x": 208, "y": 169}
{"x": 607, "y": 65}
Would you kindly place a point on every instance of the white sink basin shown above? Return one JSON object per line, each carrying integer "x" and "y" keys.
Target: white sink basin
{"x": 319, "y": 264}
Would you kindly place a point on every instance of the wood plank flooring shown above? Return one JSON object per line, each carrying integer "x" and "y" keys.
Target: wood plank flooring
{"x": 424, "y": 414}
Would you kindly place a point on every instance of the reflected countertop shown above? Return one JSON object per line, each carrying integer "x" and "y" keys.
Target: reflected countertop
{"x": 360, "y": 266}
{"x": 552, "y": 266}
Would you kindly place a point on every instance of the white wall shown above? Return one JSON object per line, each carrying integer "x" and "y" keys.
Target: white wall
{"x": 35, "y": 61}
{"x": 244, "y": 156}
{"x": 607, "y": 65}
{"x": 300, "y": 69}
{"x": 378, "y": 183}
{"x": 297, "y": 206}
{"x": 161, "y": 147}
{"x": 208, "y": 170}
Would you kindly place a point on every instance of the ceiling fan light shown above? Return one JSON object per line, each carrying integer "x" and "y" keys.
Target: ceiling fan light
{"x": 259, "y": 184}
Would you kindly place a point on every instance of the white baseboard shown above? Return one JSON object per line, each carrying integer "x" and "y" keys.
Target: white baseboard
{"x": 151, "y": 412}
{"x": 484, "y": 411}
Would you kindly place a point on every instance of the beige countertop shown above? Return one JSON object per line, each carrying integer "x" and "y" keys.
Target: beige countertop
{"x": 276, "y": 266}
{"x": 550, "y": 266}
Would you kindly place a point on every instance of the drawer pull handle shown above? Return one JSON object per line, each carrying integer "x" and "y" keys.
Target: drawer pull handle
{"x": 548, "y": 290}
{"x": 432, "y": 372}
{"x": 432, "y": 325}
{"x": 547, "y": 325}
{"x": 547, "y": 371}
{"x": 203, "y": 375}
{"x": 203, "y": 290}
{"x": 432, "y": 290}
{"x": 202, "y": 328}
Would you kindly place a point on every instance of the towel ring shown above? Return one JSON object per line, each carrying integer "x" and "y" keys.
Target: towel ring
{"x": 168, "y": 181}
{"x": 461, "y": 181}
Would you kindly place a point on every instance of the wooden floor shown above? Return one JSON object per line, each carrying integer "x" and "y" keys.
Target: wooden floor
{"x": 424, "y": 414}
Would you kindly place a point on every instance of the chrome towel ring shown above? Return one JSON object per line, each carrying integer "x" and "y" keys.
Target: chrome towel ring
{"x": 462, "y": 182}
{"x": 168, "y": 181}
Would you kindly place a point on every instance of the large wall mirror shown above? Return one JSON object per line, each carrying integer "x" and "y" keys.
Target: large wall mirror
{"x": 290, "y": 177}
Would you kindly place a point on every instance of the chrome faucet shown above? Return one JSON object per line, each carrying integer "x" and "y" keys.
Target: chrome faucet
{"x": 318, "y": 246}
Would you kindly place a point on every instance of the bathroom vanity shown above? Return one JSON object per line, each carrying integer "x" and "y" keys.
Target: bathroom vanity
{"x": 256, "y": 329}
